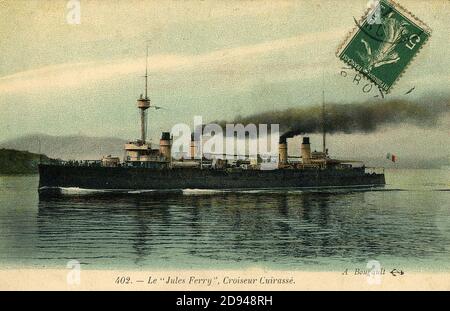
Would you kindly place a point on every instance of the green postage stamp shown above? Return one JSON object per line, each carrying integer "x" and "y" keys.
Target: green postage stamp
{"x": 384, "y": 42}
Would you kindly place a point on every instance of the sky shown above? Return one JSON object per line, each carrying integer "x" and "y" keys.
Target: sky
{"x": 216, "y": 59}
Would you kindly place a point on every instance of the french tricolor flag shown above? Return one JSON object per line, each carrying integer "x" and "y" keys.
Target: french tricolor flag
{"x": 391, "y": 157}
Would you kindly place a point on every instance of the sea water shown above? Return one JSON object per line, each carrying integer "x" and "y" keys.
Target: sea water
{"x": 405, "y": 225}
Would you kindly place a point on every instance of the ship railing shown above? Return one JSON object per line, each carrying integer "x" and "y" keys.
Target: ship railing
{"x": 84, "y": 163}
{"x": 373, "y": 170}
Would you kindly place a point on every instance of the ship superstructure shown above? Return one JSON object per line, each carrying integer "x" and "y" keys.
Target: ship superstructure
{"x": 140, "y": 152}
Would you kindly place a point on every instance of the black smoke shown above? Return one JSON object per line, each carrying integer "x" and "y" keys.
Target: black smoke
{"x": 364, "y": 117}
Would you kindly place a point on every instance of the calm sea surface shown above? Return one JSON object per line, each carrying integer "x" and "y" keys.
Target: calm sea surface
{"x": 405, "y": 225}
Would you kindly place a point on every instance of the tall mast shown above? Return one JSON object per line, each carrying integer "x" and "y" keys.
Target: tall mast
{"x": 146, "y": 72}
{"x": 144, "y": 103}
{"x": 324, "y": 146}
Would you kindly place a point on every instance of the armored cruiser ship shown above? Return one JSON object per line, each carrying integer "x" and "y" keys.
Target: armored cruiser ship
{"x": 145, "y": 167}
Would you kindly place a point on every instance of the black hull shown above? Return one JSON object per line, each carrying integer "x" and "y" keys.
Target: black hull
{"x": 55, "y": 177}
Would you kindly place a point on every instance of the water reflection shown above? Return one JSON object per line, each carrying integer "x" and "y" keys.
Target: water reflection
{"x": 286, "y": 229}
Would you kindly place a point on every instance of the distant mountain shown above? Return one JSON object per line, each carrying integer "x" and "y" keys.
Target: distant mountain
{"x": 94, "y": 148}
{"x": 67, "y": 147}
{"x": 20, "y": 162}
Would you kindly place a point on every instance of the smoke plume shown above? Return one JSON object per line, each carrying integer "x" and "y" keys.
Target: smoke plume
{"x": 350, "y": 118}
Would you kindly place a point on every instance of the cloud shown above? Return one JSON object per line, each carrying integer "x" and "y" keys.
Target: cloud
{"x": 75, "y": 75}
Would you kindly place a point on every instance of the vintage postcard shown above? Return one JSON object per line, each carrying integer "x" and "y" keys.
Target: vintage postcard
{"x": 224, "y": 145}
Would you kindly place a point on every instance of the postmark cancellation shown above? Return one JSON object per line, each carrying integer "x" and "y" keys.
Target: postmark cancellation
{"x": 384, "y": 42}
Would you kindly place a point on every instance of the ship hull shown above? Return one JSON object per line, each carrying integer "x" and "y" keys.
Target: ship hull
{"x": 56, "y": 177}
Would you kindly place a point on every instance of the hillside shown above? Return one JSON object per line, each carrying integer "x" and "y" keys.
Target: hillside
{"x": 20, "y": 162}
{"x": 94, "y": 148}
{"x": 67, "y": 147}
